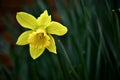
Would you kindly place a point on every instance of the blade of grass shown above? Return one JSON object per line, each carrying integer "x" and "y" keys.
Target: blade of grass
{"x": 72, "y": 68}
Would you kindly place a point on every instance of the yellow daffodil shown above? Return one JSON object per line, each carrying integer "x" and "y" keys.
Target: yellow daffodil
{"x": 39, "y": 36}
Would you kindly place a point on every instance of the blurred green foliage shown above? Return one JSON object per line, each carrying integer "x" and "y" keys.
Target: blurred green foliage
{"x": 89, "y": 51}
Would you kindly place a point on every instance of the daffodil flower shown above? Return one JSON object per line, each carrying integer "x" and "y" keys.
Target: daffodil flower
{"x": 39, "y": 36}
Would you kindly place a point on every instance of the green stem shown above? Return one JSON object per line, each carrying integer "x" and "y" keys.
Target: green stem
{"x": 67, "y": 57}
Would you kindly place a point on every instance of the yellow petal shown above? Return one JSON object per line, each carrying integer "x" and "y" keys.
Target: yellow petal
{"x": 44, "y": 19}
{"x": 56, "y": 28}
{"x": 52, "y": 46}
{"x": 23, "y": 38}
{"x": 26, "y": 20}
{"x": 35, "y": 52}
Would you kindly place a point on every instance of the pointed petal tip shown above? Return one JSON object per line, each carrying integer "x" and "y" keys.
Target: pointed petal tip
{"x": 34, "y": 58}
{"x": 17, "y": 43}
{"x": 55, "y": 52}
{"x": 19, "y": 13}
{"x": 52, "y": 50}
{"x": 45, "y": 11}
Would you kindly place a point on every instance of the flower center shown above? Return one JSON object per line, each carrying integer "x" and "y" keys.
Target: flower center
{"x": 39, "y": 39}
